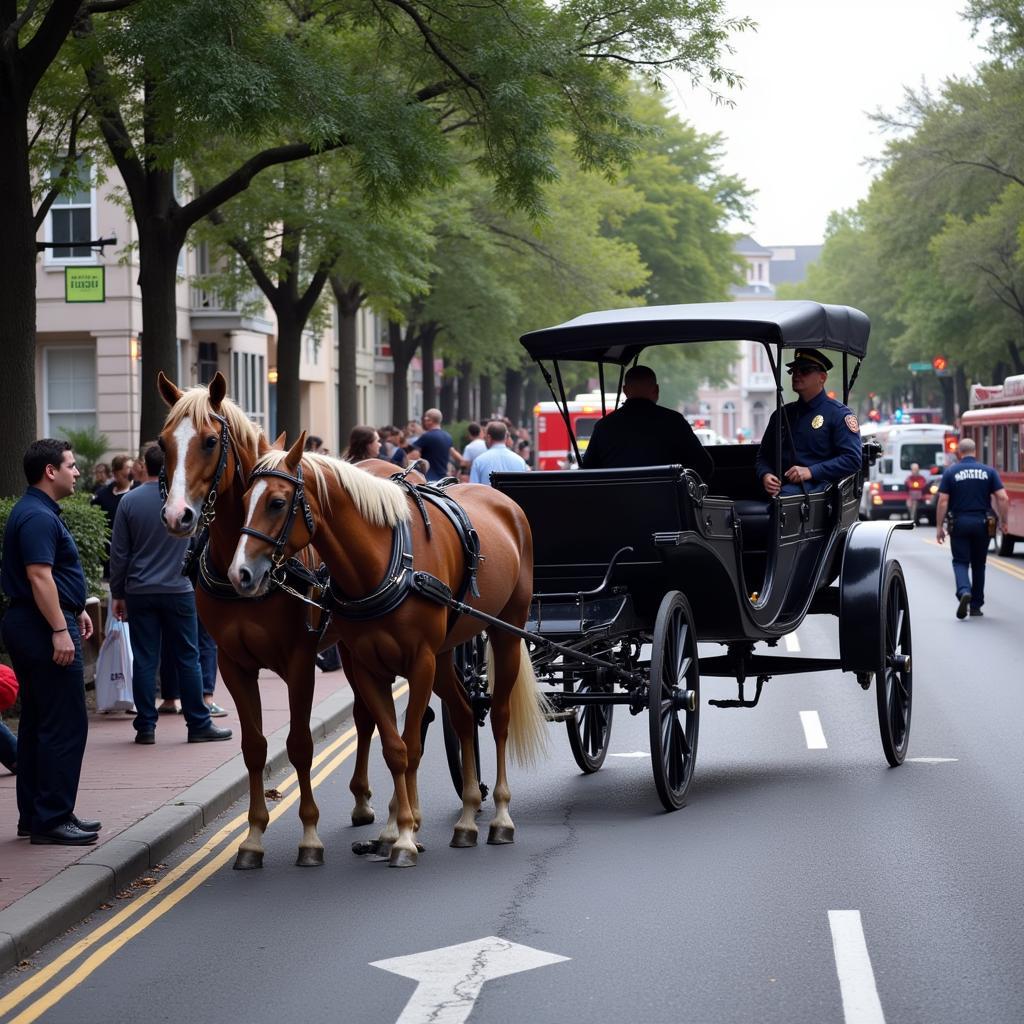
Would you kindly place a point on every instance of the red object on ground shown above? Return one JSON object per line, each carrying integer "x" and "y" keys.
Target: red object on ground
{"x": 8, "y": 687}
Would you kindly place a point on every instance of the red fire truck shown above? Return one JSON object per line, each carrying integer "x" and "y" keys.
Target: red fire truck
{"x": 554, "y": 450}
{"x": 995, "y": 421}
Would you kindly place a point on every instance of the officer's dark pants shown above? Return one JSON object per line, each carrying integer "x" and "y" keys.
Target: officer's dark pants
{"x": 54, "y": 724}
{"x": 969, "y": 542}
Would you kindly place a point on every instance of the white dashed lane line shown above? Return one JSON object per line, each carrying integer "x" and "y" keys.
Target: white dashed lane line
{"x": 813, "y": 732}
{"x": 853, "y": 965}
{"x": 792, "y": 643}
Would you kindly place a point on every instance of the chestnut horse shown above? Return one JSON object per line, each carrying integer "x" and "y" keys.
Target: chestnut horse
{"x": 353, "y": 520}
{"x": 203, "y": 483}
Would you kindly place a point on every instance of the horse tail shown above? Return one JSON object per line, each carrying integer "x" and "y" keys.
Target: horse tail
{"x": 528, "y": 707}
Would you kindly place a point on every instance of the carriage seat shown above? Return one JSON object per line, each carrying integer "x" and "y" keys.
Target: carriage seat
{"x": 755, "y": 523}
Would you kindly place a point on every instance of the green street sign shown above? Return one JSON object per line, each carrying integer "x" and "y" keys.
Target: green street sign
{"x": 920, "y": 367}
{"x": 85, "y": 284}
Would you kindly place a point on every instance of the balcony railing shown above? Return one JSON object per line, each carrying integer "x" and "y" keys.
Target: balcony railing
{"x": 213, "y": 301}
{"x": 760, "y": 380}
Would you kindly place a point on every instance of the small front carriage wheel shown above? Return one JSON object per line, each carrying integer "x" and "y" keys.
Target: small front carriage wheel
{"x": 674, "y": 700}
{"x": 894, "y": 687}
{"x": 590, "y": 727}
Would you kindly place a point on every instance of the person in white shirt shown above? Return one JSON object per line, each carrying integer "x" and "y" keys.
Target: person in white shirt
{"x": 498, "y": 458}
{"x": 477, "y": 445}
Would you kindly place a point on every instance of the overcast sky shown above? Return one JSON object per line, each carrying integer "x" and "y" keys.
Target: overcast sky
{"x": 813, "y": 71}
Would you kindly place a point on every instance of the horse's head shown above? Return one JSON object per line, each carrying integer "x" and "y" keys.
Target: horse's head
{"x": 198, "y": 451}
{"x": 278, "y": 519}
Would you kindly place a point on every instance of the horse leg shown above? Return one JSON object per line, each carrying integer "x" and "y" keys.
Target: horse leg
{"x": 300, "y": 752}
{"x": 245, "y": 692}
{"x": 362, "y": 812}
{"x": 505, "y": 650}
{"x": 376, "y": 691}
{"x": 421, "y": 685}
{"x": 448, "y": 688}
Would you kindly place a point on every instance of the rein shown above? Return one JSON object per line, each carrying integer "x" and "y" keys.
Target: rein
{"x": 298, "y": 502}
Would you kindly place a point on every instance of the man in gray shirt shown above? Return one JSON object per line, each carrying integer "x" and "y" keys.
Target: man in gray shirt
{"x": 149, "y": 591}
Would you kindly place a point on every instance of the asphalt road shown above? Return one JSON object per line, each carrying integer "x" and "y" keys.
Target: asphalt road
{"x": 801, "y": 883}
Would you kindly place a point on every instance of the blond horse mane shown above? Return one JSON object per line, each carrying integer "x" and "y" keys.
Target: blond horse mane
{"x": 378, "y": 501}
{"x": 195, "y": 405}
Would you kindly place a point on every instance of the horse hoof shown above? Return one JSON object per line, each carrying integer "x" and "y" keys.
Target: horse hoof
{"x": 499, "y": 835}
{"x": 364, "y": 846}
{"x": 402, "y": 858}
{"x": 363, "y": 817}
{"x": 463, "y": 838}
{"x": 310, "y": 857}
{"x": 248, "y": 860}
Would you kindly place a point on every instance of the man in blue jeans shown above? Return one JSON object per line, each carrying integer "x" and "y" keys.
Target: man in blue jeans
{"x": 148, "y": 591}
{"x": 966, "y": 492}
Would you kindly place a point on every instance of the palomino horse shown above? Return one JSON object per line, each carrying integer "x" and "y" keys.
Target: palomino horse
{"x": 355, "y": 522}
{"x": 210, "y": 449}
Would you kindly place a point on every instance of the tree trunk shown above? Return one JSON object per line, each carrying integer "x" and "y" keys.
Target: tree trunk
{"x": 289, "y": 387}
{"x": 18, "y": 274}
{"x": 349, "y": 299}
{"x": 531, "y": 393}
{"x": 402, "y": 351}
{"x": 514, "y": 396}
{"x": 447, "y": 398}
{"x": 465, "y": 406}
{"x": 429, "y": 381}
{"x": 158, "y": 273}
{"x": 1015, "y": 356}
{"x": 486, "y": 398}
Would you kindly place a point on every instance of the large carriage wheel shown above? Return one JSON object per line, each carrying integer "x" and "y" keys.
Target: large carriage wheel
{"x": 894, "y": 677}
{"x": 590, "y": 727}
{"x": 470, "y": 664}
{"x": 674, "y": 700}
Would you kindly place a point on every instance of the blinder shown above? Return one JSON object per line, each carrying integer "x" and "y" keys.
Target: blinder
{"x": 207, "y": 511}
{"x": 298, "y": 502}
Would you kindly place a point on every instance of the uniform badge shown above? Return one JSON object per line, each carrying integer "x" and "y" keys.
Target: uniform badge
{"x": 851, "y": 422}
{"x": 817, "y": 421}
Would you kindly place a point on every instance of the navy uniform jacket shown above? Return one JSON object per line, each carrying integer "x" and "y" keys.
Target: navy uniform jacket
{"x": 970, "y": 485}
{"x": 642, "y": 433}
{"x": 36, "y": 535}
{"x": 825, "y": 439}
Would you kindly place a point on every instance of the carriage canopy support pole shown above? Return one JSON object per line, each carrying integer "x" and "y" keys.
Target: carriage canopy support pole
{"x": 775, "y": 361}
{"x": 563, "y": 405}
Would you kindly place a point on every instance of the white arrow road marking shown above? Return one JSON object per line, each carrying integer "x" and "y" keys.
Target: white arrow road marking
{"x": 933, "y": 760}
{"x": 813, "y": 732}
{"x": 450, "y": 979}
{"x": 792, "y": 643}
{"x": 634, "y": 753}
{"x": 853, "y": 965}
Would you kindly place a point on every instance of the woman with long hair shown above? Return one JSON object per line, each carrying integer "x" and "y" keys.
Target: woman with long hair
{"x": 363, "y": 443}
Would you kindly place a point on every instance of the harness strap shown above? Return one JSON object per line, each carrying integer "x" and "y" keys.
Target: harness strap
{"x": 389, "y": 593}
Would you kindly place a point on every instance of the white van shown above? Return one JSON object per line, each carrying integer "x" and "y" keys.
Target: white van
{"x": 885, "y": 490}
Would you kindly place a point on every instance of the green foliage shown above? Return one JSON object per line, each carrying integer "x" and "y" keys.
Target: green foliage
{"x": 88, "y": 525}
{"x": 89, "y": 447}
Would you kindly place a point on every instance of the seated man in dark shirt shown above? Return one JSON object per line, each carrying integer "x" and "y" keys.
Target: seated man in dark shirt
{"x": 642, "y": 433}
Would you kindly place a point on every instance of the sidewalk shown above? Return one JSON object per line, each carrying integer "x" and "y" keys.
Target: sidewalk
{"x": 150, "y": 800}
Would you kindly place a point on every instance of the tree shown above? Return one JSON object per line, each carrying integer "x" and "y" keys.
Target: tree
{"x": 31, "y": 37}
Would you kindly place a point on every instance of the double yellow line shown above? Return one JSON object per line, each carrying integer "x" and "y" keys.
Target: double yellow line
{"x": 162, "y": 897}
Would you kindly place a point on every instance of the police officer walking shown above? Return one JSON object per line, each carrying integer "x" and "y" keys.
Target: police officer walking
{"x": 821, "y": 441}
{"x": 43, "y": 631}
{"x": 966, "y": 493}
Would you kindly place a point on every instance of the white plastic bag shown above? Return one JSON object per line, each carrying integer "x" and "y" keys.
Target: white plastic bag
{"x": 114, "y": 670}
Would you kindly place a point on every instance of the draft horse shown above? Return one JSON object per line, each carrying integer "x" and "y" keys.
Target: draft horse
{"x": 210, "y": 449}
{"x": 356, "y": 522}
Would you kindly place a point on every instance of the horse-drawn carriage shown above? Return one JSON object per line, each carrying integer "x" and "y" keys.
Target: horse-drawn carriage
{"x": 632, "y": 567}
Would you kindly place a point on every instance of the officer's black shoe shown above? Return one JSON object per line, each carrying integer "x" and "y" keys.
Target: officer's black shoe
{"x": 88, "y": 825}
{"x": 965, "y": 600}
{"x": 210, "y": 734}
{"x": 63, "y": 835}
{"x": 146, "y": 738}
{"x": 976, "y": 612}
{"x": 23, "y": 831}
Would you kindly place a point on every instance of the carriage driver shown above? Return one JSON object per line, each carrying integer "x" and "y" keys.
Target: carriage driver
{"x": 821, "y": 441}
{"x": 642, "y": 433}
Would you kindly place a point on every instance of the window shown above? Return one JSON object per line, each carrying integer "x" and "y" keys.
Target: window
{"x": 206, "y": 362}
{"x": 71, "y": 219}
{"x": 1013, "y": 461}
{"x": 1000, "y": 433}
{"x": 986, "y": 445}
{"x": 760, "y": 417}
{"x": 70, "y": 389}
{"x": 729, "y": 420}
{"x": 248, "y": 372}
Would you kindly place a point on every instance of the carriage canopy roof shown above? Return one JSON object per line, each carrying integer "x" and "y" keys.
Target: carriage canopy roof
{"x": 619, "y": 335}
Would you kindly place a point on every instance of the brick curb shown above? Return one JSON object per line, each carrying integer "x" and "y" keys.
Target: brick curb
{"x": 63, "y": 901}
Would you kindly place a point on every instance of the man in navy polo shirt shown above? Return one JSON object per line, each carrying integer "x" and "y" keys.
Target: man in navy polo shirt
{"x": 436, "y": 447}
{"x": 43, "y": 631}
{"x": 966, "y": 492}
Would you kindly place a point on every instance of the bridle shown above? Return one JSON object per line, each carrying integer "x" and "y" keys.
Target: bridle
{"x": 207, "y": 513}
{"x": 298, "y": 502}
